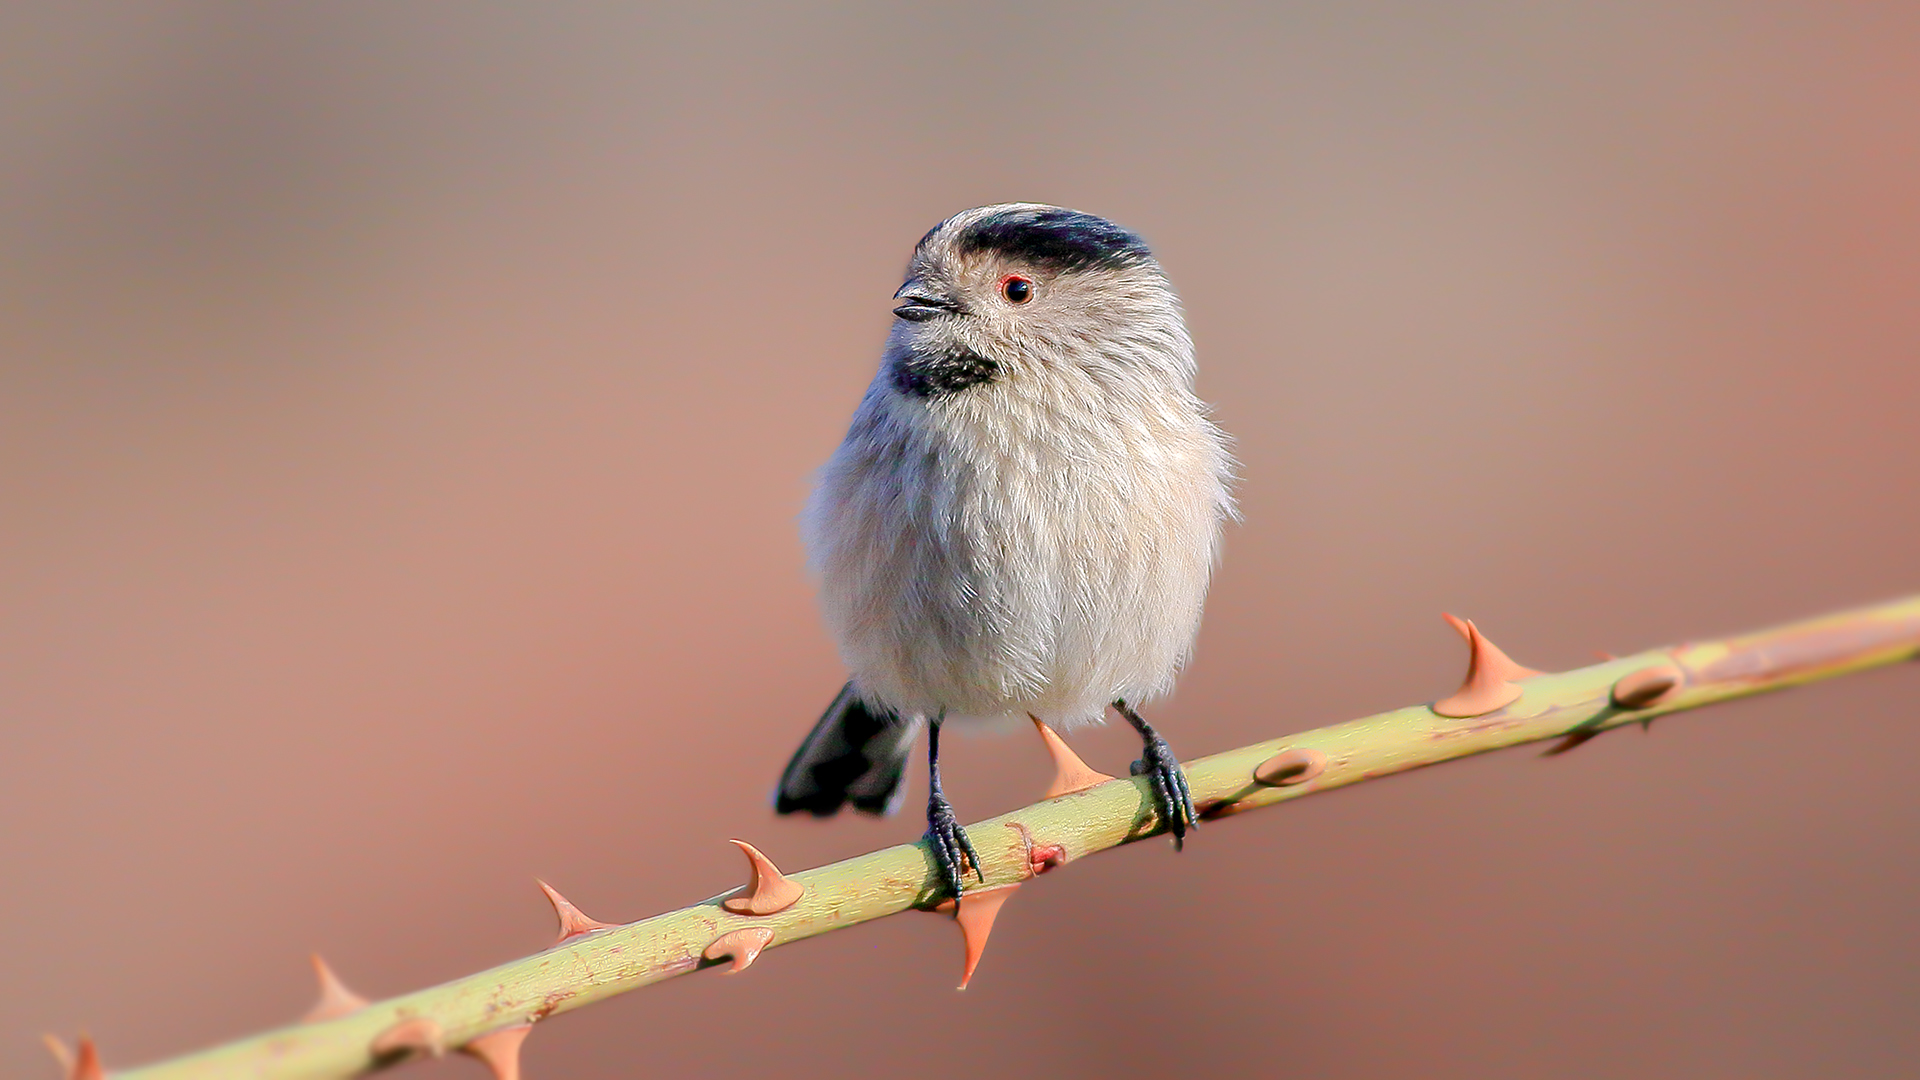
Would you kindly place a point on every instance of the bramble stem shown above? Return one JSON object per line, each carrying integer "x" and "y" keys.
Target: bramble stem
{"x": 597, "y": 965}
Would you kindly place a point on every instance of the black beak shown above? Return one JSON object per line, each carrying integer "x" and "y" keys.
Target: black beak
{"x": 923, "y": 303}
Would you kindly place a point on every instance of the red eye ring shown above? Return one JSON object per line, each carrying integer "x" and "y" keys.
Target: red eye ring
{"x": 1016, "y": 289}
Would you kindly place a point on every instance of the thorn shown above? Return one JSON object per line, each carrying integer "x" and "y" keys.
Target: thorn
{"x": 1214, "y": 809}
{"x": 573, "y": 922}
{"x": 1570, "y": 741}
{"x": 335, "y": 999}
{"x": 414, "y": 1035}
{"x": 743, "y": 945}
{"x": 767, "y": 890}
{"x": 1648, "y": 687}
{"x": 62, "y": 1053}
{"x": 1070, "y": 774}
{"x": 1488, "y": 685}
{"x": 1294, "y": 765}
{"x": 975, "y": 914}
{"x": 500, "y": 1050}
{"x": 85, "y": 1063}
{"x": 1044, "y": 857}
{"x": 1040, "y": 857}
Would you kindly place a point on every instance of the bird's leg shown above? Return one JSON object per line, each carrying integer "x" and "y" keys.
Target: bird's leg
{"x": 951, "y": 849}
{"x": 1170, "y": 793}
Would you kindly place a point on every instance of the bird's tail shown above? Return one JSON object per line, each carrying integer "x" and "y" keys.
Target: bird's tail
{"x": 856, "y": 754}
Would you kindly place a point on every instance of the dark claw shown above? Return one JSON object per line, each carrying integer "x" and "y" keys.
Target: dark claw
{"x": 952, "y": 851}
{"x": 1171, "y": 796}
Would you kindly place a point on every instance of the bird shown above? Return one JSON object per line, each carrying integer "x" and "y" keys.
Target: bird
{"x": 1023, "y": 518}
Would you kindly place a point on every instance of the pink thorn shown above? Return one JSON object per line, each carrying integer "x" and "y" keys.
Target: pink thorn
{"x": 335, "y": 999}
{"x": 1294, "y": 765}
{"x": 767, "y": 889}
{"x": 500, "y": 1050}
{"x": 1070, "y": 774}
{"x": 86, "y": 1061}
{"x": 414, "y": 1035}
{"x": 1040, "y": 857}
{"x": 975, "y": 914}
{"x": 743, "y": 945}
{"x": 572, "y": 922}
{"x": 1044, "y": 857}
{"x": 1648, "y": 687}
{"x": 1572, "y": 740}
{"x": 1489, "y": 671}
{"x": 62, "y": 1053}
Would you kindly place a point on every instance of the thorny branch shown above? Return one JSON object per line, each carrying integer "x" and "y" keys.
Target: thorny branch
{"x": 1501, "y": 704}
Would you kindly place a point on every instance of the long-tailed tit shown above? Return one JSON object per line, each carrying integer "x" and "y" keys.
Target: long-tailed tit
{"x": 1024, "y": 515}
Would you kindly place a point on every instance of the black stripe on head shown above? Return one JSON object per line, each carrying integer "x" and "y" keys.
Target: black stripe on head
{"x": 1052, "y": 237}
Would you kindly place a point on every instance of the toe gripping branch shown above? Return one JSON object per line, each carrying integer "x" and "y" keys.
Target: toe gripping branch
{"x": 1171, "y": 795}
{"x": 488, "y": 1014}
{"x": 951, "y": 849}
{"x": 952, "y": 852}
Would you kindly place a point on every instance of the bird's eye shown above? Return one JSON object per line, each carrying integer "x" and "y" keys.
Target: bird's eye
{"x": 1016, "y": 289}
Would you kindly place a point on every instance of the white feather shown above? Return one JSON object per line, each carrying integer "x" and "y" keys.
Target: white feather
{"x": 1041, "y": 543}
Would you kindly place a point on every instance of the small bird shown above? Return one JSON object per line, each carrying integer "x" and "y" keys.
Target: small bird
{"x": 1023, "y": 517}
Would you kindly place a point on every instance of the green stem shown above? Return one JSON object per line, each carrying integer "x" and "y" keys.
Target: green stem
{"x": 585, "y": 969}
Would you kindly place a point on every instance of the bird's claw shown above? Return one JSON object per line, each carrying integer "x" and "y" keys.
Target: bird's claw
{"x": 952, "y": 851}
{"x": 1171, "y": 796}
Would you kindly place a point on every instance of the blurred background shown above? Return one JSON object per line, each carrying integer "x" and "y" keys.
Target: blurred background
{"x": 405, "y": 410}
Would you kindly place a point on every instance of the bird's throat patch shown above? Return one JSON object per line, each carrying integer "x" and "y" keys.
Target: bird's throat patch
{"x": 947, "y": 370}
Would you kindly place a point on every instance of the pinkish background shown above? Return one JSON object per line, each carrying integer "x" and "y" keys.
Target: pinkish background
{"x": 405, "y": 410}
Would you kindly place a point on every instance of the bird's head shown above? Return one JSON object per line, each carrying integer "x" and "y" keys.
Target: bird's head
{"x": 1024, "y": 291}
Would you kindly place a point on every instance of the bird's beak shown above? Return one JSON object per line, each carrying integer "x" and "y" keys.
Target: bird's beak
{"x": 923, "y": 302}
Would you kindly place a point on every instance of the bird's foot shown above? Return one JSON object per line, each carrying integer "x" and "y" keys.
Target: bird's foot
{"x": 1171, "y": 796}
{"x": 952, "y": 851}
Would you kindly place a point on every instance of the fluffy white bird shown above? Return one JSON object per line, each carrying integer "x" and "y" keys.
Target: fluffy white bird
{"x": 1024, "y": 515}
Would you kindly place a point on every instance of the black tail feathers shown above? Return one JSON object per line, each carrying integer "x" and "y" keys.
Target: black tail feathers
{"x": 856, "y": 754}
